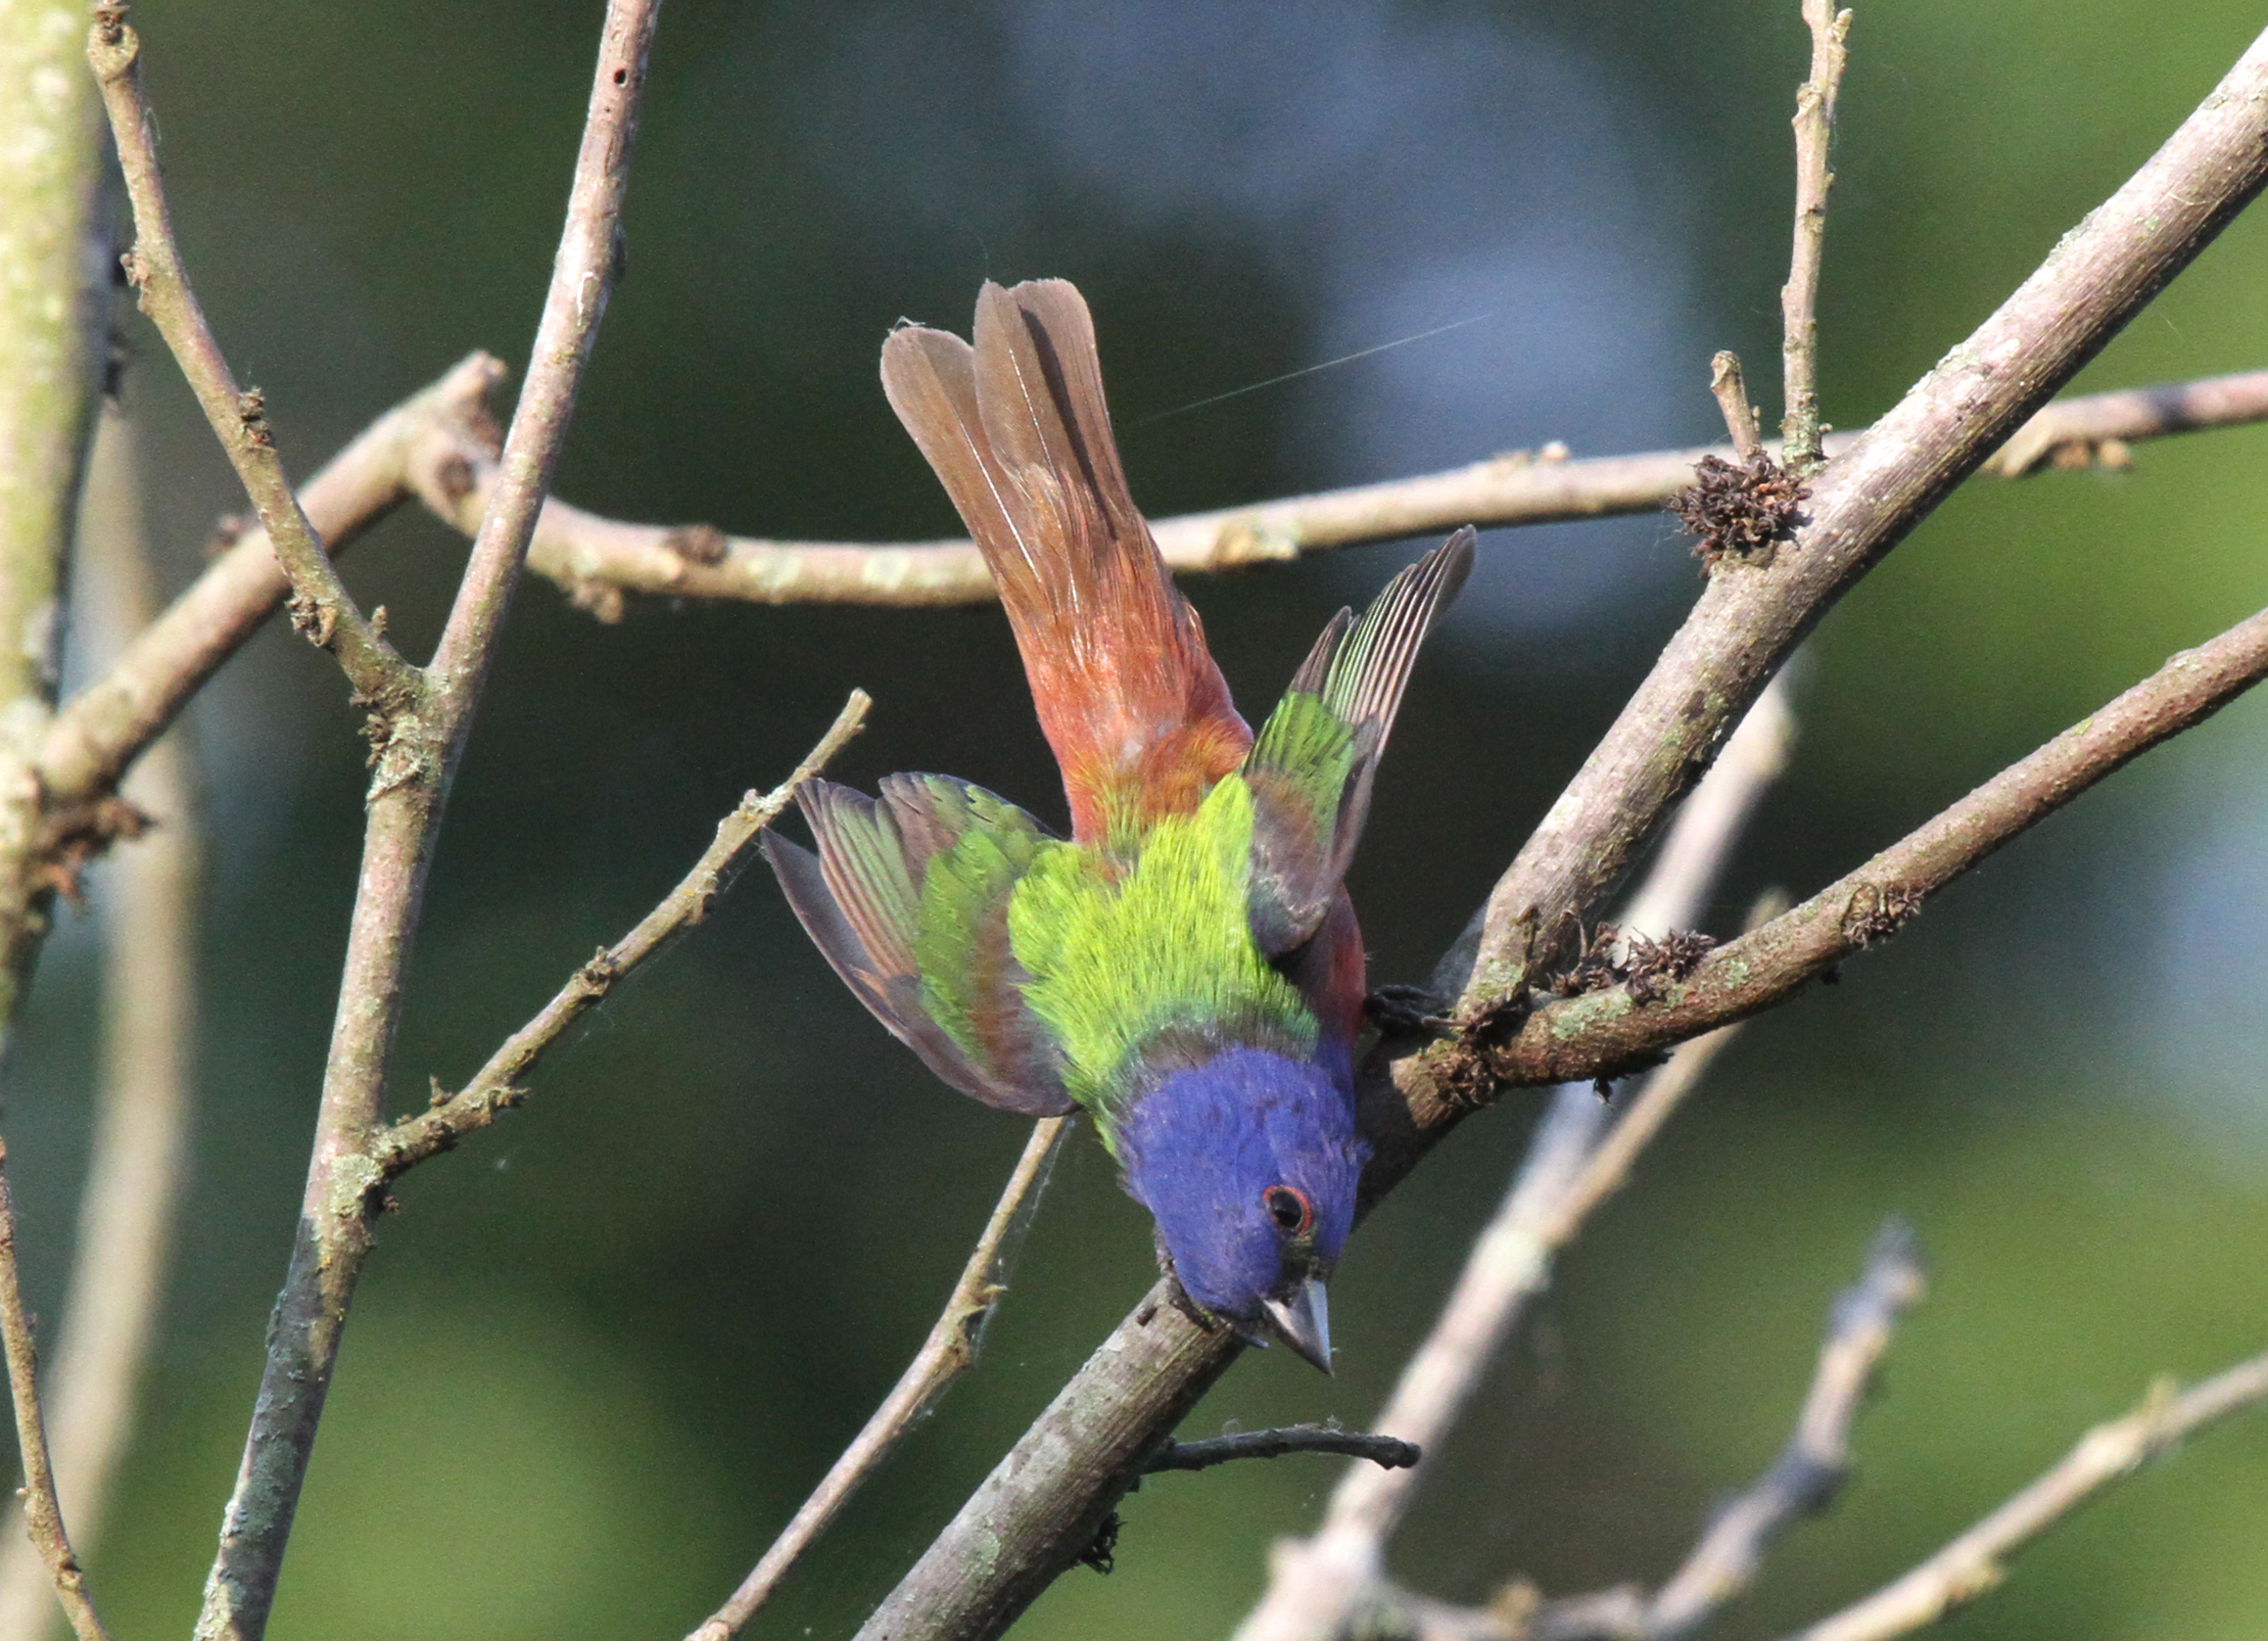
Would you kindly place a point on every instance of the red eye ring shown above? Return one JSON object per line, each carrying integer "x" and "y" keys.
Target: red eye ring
{"x": 1288, "y": 1208}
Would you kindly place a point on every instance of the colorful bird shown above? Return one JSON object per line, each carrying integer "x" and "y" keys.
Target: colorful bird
{"x": 1186, "y": 966}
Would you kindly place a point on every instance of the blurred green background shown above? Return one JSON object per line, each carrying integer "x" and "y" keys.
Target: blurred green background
{"x": 604, "y": 1351}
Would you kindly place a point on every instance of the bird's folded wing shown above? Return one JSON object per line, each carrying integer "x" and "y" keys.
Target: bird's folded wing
{"x": 908, "y": 899}
{"x": 1311, "y": 768}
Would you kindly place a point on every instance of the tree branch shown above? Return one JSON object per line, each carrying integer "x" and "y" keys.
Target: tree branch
{"x": 1818, "y": 1457}
{"x": 1750, "y": 617}
{"x": 325, "y": 611}
{"x": 105, "y": 727}
{"x": 598, "y": 559}
{"x": 419, "y": 723}
{"x": 1044, "y": 1502}
{"x": 1603, "y": 1032}
{"x": 438, "y": 447}
{"x": 54, "y": 303}
{"x": 1971, "y": 1564}
{"x": 497, "y": 1087}
{"x": 950, "y": 1351}
{"x": 1385, "y": 1452}
{"x": 148, "y": 1051}
{"x": 41, "y": 1514}
{"x": 1815, "y": 135}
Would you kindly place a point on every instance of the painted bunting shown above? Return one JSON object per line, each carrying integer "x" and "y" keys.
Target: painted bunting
{"x": 1186, "y": 966}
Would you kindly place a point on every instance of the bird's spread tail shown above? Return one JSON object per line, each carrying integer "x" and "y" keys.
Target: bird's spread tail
{"x": 1017, "y": 430}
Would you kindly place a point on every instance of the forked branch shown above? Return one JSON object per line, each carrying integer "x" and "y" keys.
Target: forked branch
{"x": 1045, "y": 1501}
{"x": 1976, "y": 1563}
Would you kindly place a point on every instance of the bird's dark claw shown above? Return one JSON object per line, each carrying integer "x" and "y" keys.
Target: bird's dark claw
{"x": 1407, "y": 1012}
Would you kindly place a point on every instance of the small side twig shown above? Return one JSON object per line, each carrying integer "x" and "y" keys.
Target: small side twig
{"x": 1818, "y": 1455}
{"x": 1731, "y": 390}
{"x": 325, "y": 610}
{"x": 948, "y": 1352}
{"x": 497, "y": 1087}
{"x": 1385, "y": 1452}
{"x": 1974, "y": 1562}
{"x": 1814, "y": 132}
{"x": 42, "y": 1515}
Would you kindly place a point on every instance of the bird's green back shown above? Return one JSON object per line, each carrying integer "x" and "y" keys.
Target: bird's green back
{"x": 1117, "y": 957}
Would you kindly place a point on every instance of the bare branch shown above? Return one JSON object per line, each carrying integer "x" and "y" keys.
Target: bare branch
{"x": 142, "y": 1098}
{"x": 1574, "y": 1163}
{"x": 1972, "y": 1564}
{"x": 1043, "y": 1504}
{"x": 419, "y": 733}
{"x": 2099, "y": 427}
{"x": 1594, "y": 1035}
{"x": 1818, "y": 1456}
{"x": 596, "y": 560}
{"x": 1815, "y": 133}
{"x": 1806, "y": 1474}
{"x": 1387, "y": 1452}
{"x": 497, "y": 1087}
{"x": 41, "y": 1514}
{"x": 1731, "y": 390}
{"x": 950, "y": 1351}
{"x": 327, "y": 612}
{"x": 438, "y": 447}
{"x": 103, "y": 727}
{"x": 1749, "y": 618}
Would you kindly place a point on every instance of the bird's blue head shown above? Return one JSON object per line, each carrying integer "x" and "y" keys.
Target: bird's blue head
{"x": 1248, "y": 1161}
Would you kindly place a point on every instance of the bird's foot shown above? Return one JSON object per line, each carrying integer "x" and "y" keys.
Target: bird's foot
{"x": 1407, "y": 1012}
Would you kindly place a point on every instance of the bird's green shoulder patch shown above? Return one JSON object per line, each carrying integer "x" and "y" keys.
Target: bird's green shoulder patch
{"x": 1169, "y": 940}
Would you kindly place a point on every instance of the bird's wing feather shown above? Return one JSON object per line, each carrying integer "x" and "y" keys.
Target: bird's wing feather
{"x": 908, "y": 899}
{"x": 1310, "y": 770}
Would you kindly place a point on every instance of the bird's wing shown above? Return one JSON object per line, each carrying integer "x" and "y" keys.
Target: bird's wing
{"x": 1311, "y": 768}
{"x": 908, "y": 899}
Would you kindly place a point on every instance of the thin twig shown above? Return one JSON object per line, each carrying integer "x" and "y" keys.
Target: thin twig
{"x": 1814, "y": 133}
{"x": 1731, "y": 390}
{"x": 149, "y": 1047}
{"x": 497, "y": 1085}
{"x": 950, "y": 1351}
{"x": 326, "y": 612}
{"x": 1818, "y": 1456}
{"x": 598, "y": 559}
{"x": 1387, "y": 1452}
{"x": 419, "y": 731}
{"x": 2097, "y": 428}
{"x": 1973, "y": 1563}
{"x": 42, "y": 1515}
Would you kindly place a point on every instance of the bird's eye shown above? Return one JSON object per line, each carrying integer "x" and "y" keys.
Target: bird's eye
{"x": 1288, "y": 1208}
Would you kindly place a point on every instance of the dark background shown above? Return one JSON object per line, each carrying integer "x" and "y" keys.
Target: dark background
{"x": 604, "y": 1351}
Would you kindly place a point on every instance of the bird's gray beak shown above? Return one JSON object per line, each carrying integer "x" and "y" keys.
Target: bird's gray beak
{"x": 1303, "y": 1322}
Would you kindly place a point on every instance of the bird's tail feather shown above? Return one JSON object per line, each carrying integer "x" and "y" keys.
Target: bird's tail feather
{"x": 1017, "y": 429}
